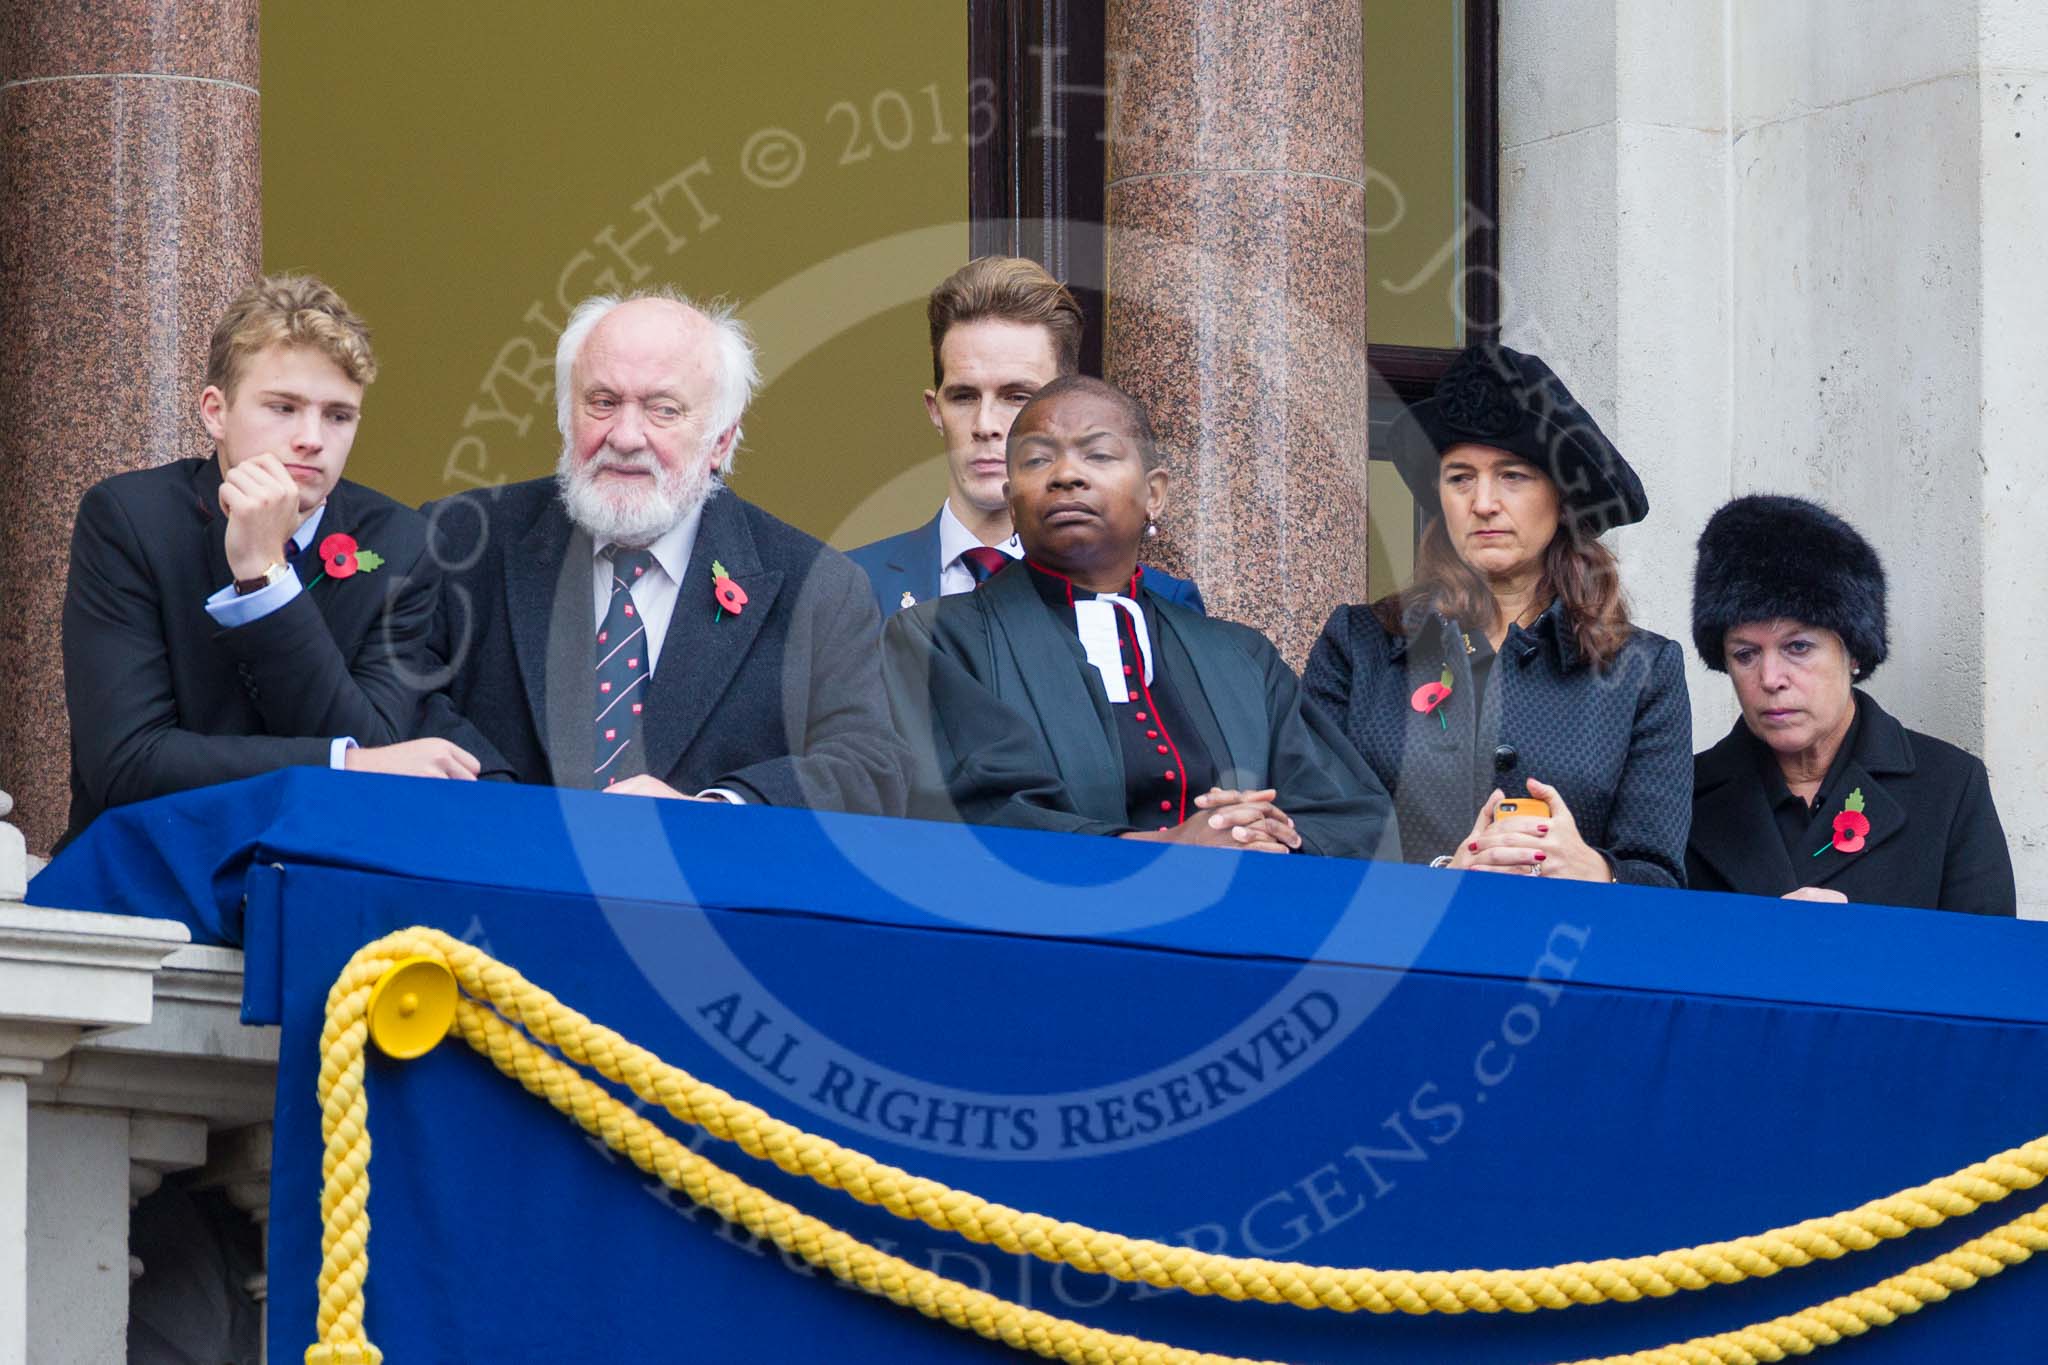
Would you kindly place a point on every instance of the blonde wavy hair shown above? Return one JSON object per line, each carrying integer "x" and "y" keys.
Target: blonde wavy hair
{"x": 288, "y": 310}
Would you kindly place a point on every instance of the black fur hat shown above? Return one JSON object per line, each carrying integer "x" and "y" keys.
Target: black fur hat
{"x": 1496, "y": 396}
{"x": 1765, "y": 558}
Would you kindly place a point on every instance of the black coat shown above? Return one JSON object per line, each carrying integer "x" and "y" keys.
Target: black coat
{"x": 162, "y": 699}
{"x": 1934, "y": 842}
{"x": 1008, "y": 729}
{"x": 1615, "y": 743}
{"x": 782, "y": 702}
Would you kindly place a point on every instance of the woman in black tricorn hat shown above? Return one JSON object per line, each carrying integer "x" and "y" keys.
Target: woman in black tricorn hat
{"x": 1510, "y": 664}
{"x": 1817, "y": 794}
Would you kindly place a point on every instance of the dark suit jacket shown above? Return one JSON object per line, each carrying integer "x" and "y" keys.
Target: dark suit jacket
{"x": 161, "y": 699}
{"x": 990, "y": 691}
{"x": 781, "y": 703}
{"x": 909, "y": 563}
{"x": 1935, "y": 841}
{"x": 1616, "y": 743}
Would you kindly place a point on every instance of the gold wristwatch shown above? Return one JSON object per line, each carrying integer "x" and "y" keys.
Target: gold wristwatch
{"x": 276, "y": 573}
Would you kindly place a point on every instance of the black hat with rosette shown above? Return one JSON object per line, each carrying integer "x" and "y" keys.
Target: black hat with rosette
{"x": 1499, "y": 397}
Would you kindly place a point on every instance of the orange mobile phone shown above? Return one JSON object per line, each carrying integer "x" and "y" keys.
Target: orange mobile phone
{"x": 1522, "y": 806}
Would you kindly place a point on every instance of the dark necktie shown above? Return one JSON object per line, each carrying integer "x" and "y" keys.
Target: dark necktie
{"x": 622, "y": 665}
{"x": 982, "y": 561}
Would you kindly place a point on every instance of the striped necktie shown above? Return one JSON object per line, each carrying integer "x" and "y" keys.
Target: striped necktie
{"x": 982, "y": 561}
{"x": 622, "y": 671}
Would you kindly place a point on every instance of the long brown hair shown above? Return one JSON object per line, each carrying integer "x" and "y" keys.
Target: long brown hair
{"x": 1577, "y": 568}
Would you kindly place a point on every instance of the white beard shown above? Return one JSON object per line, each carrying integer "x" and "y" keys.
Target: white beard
{"x": 630, "y": 514}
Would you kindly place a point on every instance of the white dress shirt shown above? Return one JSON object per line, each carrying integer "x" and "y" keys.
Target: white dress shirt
{"x": 654, "y": 598}
{"x": 229, "y": 609}
{"x": 954, "y": 537}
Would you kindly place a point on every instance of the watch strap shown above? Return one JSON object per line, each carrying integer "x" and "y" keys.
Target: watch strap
{"x": 245, "y": 586}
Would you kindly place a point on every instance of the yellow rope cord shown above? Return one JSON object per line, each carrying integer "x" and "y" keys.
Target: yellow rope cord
{"x": 344, "y": 1243}
{"x": 818, "y": 1242}
{"x": 1851, "y": 1315}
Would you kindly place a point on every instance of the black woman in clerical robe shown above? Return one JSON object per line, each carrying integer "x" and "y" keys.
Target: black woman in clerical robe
{"x": 1064, "y": 695}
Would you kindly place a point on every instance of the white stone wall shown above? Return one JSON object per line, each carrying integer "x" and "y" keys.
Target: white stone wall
{"x": 1796, "y": 248}
{"x": 2013, "y": 191}
{"x": 77, "y": 1234}
{"x": 122, "y": 1059}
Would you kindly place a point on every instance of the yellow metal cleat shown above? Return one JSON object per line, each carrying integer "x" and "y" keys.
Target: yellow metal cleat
{"x": 412, "y": 1007}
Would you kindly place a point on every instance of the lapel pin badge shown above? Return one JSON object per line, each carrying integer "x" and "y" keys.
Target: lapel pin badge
{"x": 1851, "y": 825}
{"x": 340, "y": 557}
{"x": 1430, "y": 697}
{"x": 731, "y": 596}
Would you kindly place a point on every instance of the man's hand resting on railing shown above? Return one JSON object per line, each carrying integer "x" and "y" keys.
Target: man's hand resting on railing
{"x": 644, "y": 785}
{"x": 1816, "y": 893}
{"x": 415, "y": 758}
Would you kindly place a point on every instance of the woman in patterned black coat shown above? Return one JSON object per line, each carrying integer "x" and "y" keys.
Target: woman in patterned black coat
{"x": 1510, "y": 665}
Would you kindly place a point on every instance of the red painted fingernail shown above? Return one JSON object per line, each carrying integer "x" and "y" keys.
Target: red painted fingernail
{"x": 1543, "y": 829}
{"x": 1473, "y": 847}
{"x": 1541, "y": 856}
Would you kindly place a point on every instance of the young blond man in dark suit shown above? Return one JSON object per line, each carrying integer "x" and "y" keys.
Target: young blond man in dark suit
{"x": 252, "y": 610}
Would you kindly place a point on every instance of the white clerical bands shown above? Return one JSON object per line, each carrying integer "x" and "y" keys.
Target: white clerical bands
{"x": 1096, "y": 620}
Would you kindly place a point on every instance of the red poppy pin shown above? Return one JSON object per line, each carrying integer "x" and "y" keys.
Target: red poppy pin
{"x": 731, "y": 596}
{"x": 1430, "y": 697}
{"x": 1851, "y": 826}
{"x": 341, "y": 557}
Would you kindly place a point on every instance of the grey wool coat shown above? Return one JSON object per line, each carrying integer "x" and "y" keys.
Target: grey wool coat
{"x": 1616, "y": 742}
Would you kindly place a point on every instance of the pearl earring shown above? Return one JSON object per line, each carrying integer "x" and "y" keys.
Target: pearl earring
{"x": 1151, "y": 529}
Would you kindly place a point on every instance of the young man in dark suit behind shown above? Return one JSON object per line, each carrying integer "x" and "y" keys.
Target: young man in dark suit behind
{"x": 1001, "y": 330}
{"x": 252, "y": 610}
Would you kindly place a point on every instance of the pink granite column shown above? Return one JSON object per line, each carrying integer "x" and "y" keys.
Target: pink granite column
{"x": 1236, "y": 293}
{"x": 130, "y": 212}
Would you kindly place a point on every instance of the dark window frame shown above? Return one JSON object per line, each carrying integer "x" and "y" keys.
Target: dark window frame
{"x": 1035, "y": 181}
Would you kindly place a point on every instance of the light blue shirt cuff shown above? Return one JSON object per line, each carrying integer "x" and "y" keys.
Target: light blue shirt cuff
{"x": 228, "y": 609}
{"x": 337, "y": 753}
{"x": 724, "y": 794}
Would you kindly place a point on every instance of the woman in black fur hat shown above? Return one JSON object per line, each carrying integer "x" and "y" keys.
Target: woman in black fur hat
{"x": 1510, "y": 665}
{"x": 1817, "y": 794}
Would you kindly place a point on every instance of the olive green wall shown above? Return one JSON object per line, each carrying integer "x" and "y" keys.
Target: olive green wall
{"x": 1415, "y": 170}
{"x": 1414, "y": 207}
{"x": 460, "y": 180}
{"x": 460, "y": 171}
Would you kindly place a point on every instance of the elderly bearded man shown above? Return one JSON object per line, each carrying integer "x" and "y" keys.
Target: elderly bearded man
{"x": 631, "y": 626}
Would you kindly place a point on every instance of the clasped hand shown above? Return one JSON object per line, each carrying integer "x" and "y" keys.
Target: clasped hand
{"x": 641, "y": 784}
{"x": 1231, "y": 819}
{"x": 1548, "y": 846}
